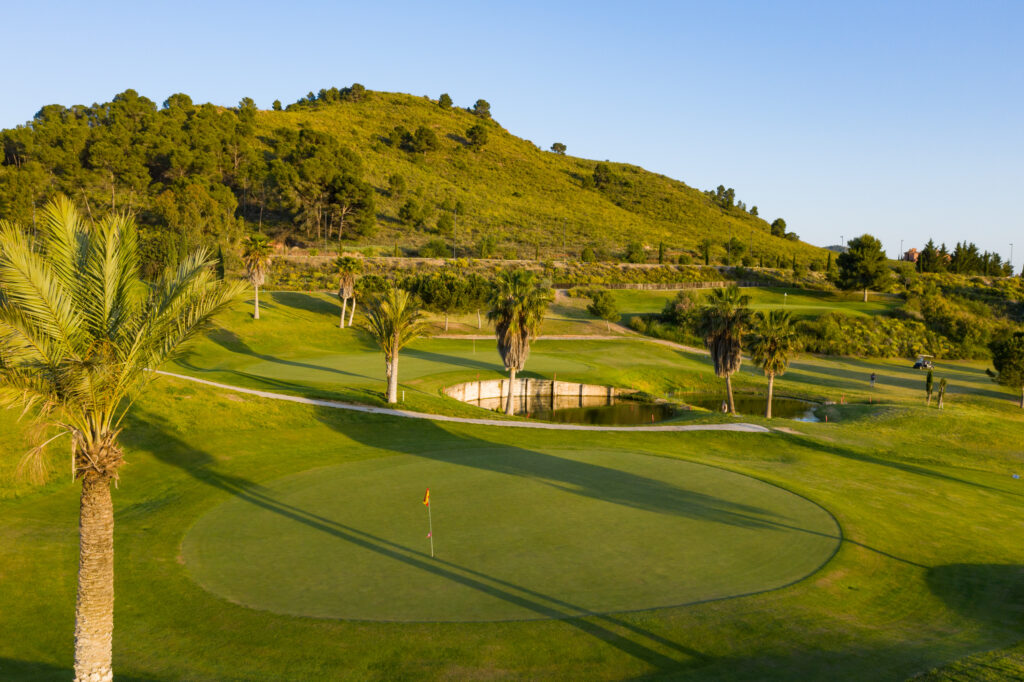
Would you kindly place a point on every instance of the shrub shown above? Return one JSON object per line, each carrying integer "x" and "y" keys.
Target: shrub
{"x": 435, "y": 248}
{"x": 635, "y": 253}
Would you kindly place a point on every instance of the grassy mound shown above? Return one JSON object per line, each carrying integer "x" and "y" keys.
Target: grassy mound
{"x": 520, "y": 534}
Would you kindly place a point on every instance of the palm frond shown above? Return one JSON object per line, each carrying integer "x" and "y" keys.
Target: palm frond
{"x": 31, "y": 286}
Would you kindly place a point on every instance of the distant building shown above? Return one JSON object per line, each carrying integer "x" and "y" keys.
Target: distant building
{"x": 912, "y": 255}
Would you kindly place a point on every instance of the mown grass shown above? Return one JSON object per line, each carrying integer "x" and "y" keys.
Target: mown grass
{"x": 929, "y": 575}
{"x": 802, "y": 303}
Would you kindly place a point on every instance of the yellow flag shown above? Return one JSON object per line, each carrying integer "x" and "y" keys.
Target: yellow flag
{"x": 426, "y": 498}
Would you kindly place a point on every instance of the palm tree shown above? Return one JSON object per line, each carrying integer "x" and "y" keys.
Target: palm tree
{"x": 78, "y": 330}
{"x": 394, "y": 320}
{"x": 349, "y": 268}
{"x": 256, "y": 257}
{"x": 723, "y": 321}
{"x": 775, "y": 339}
{"x": 518, "y": 303}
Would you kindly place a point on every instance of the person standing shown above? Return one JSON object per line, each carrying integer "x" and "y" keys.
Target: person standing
{"x": 873, "y": 377}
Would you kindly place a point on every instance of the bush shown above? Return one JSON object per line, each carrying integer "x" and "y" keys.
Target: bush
{"x": 588, "y": 255}
{"x": 435, "y": 248}
{"x": 477, "y": 135}
{"x": 635, "y": 253}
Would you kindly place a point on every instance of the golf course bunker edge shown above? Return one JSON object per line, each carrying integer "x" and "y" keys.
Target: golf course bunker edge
{"x": 518, "y": 535}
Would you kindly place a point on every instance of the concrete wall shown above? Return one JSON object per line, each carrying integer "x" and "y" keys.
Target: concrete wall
{"x": 532, "y": 394}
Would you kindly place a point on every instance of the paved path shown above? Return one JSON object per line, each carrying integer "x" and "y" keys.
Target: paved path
{"x": 749, "y": 428}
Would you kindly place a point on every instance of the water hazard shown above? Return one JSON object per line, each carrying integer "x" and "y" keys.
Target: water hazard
{"x": 600, "y": 411}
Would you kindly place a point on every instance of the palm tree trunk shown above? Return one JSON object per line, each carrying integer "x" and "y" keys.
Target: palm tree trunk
{"x": 446, "y": 323}
{"x": 352, "y": 313}
{"x": 511, "y": 391}
{"x": 728, "y": 388}
{"x": 94, "y": 609}
{"x": 393, "y": 381}
{"x": 256, "y": 315}
{"x": 344, "y": 307}
{"x": 865, "y": 295}
{"x": 479, "y": 324}
{"x": 771, "y": 389}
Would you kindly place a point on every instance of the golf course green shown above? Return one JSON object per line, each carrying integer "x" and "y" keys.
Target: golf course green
{"x": 262, "y": 539}
{"x": 520, "y": 534}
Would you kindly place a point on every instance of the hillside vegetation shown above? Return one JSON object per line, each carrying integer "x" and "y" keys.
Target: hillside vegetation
{"x": 511, "y": 191}
{"x": 400, "y": 174}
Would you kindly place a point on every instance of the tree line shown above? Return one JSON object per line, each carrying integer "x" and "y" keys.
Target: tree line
{"x": 965, "y": 259}
{"x": 192, "y": 173}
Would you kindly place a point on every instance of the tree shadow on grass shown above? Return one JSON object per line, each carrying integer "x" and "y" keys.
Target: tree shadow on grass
{"x": 854, "y": 380}
{"x": 989, "y": 593}
{"x": 450, "y": 360}
{"x": 656, "y": 650}
{"x": 803, "y": 441}
{"x": 307, "y": 302}
{"x": 228, "y": 340}
{"x": 11, "y": 669}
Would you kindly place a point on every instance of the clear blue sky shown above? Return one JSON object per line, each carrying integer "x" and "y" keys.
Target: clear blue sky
{"x": 903, "y": 119}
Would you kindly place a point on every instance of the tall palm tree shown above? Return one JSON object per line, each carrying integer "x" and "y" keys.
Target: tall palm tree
{"x": 723, "y": 321}
{"x": 394, "y": 320}
{"x": 256, "y": 257}
{"x": 774, "y": 341}
{"x": 348, "y": 268}
{"x": 518, "y": 303}
{"x": 78, "y": 330}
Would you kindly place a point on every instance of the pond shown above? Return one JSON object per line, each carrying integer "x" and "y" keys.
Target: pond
{"x": 605, "y": 412}
{"x": 784, "y": 408}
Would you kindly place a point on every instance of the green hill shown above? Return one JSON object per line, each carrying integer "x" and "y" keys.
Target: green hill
{"x": 517, "y": 193}
{"x": 386, "y": 170}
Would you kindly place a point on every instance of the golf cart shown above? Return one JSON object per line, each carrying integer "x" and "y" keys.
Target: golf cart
{"x": 923, "y": 362}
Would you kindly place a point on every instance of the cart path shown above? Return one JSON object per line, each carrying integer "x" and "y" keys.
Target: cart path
{"x": 333, "y": 404}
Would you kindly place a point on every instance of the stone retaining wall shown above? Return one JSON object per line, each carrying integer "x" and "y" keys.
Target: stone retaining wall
{"x": 555, "y": 394}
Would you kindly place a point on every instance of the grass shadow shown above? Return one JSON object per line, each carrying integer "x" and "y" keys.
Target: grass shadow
{"x": 307, "y": 302}
{"x": 232, "y": 342}
{"x": 654, "y": 649}
{"x": 451, "y": 360}
{"x": 13, "y": 669}
{"x": 989, "y": 593}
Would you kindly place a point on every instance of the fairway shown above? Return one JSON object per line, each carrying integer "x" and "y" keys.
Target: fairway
{"x": 520, "y": 535}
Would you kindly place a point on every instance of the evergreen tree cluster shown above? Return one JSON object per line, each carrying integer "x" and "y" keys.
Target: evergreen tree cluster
{"x": 192, "y": 173}
{"x": 965, "y": 259}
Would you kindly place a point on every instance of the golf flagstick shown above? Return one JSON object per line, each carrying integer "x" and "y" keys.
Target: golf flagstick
{"x": 430, "y": 523}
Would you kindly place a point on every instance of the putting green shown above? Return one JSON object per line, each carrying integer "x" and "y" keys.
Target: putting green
{"x": 519, "y": 534}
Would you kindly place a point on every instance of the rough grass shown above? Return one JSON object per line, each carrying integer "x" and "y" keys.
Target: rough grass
{"x": 520, "y": 195}
{"x": 928, "y": 576}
